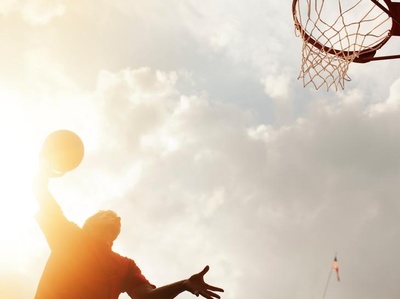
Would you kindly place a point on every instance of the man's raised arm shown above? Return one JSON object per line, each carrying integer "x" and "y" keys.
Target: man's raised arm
{"x": 41, "y": 190}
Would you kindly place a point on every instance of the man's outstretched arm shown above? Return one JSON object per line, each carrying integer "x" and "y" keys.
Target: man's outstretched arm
{"x": 195, "y": 284}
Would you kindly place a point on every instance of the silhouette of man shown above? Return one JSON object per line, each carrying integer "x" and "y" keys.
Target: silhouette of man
{"x": 82, "y": 264}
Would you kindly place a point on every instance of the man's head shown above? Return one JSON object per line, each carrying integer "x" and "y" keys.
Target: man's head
{"x": 104, "y": 225}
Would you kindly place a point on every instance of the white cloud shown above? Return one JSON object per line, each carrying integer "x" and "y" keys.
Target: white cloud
{"x": 391, "y": 104}
{"x": 249, "y": 33}
{"x": 255, "y": 201}
{"x": 40, "y": 12}
{"x": 321, "y": 182}
{"x": 34, "y": 12}
{"x": 7, "y": 6}
{"x": 277, "y": 87}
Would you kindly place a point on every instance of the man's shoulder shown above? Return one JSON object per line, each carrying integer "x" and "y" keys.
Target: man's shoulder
{"x": 121, "y": 258}
{"x": 58, "y": 230}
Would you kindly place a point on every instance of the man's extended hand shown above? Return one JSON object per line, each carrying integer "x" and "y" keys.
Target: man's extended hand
{"x": 196, "y": 285}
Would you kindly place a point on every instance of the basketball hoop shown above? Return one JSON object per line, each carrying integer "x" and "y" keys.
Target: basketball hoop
{"x": 336, "y": 34}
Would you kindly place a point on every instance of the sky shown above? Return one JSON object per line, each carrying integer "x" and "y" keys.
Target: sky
{"x": 199, "y": 134}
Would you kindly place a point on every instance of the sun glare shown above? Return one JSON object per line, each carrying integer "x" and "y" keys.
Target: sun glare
{"x": 18, "y": 160}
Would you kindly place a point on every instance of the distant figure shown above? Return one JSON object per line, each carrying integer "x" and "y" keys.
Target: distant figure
{"x": 82, "y": 264}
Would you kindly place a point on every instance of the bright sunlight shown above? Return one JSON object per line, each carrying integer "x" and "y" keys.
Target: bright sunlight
{"x": 18, "y": 160}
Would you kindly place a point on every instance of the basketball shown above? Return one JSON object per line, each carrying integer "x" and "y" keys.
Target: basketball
{"x": 62, "y": 151}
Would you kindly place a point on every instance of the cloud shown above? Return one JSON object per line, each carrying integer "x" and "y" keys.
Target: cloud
{"x": 277, "y": 87}
{"x": 246, "y": 29}
{"x": 261, "y": 202}
{"x": 391, "y": 104}
{"x": 40, "y": 12}
{"x": 203, "y": 182}
{"x": 34, "y": 12}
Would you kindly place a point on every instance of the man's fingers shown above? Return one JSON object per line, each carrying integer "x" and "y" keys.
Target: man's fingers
{"x": 216, "y": 289}
{"x": 209, "y": 295}
{"x": 205, "y": 270}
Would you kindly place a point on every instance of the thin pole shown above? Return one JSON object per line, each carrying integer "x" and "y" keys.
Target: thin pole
{"x": 327, "y": 283}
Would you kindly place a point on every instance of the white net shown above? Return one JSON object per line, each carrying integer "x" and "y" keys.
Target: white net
{"x": 336, "y": 34}
{"x": 321, "y": 68}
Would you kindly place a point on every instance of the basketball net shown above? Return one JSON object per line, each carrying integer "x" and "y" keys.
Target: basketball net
{"x": 334, "y": 36}
{"x": 321, "y": 68}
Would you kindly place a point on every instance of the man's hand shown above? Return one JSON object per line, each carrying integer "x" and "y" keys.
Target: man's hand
{"x": 41, "y": 181}
{"x": 197, "y": 286}
{"x": 45, "y": 169}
